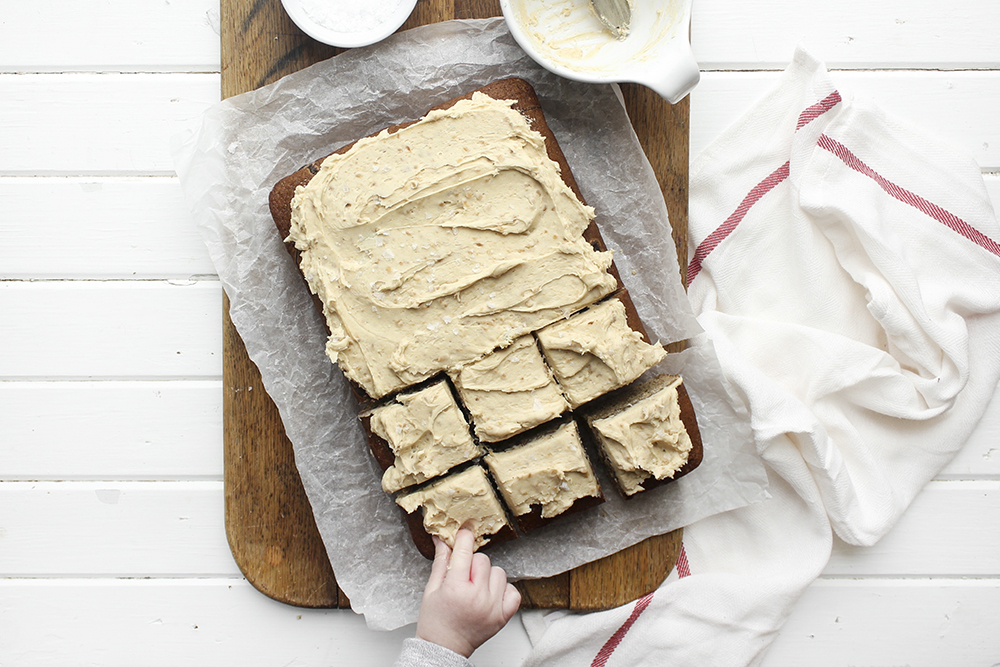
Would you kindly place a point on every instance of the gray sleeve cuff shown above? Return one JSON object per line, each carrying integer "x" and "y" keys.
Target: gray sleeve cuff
{"x": 420, "y": 653}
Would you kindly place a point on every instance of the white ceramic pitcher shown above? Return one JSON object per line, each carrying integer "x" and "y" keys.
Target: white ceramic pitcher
{"x": 565, "y": 37}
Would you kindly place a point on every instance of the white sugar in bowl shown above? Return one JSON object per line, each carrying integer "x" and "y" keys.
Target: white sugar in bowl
{"x": 348, "y": 23}
{"x": 565, "y": 37}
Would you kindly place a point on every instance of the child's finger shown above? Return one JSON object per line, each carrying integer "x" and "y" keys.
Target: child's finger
{"x": 442, "y": 555}
{"x": 480, "y": 572}
{"x": 461, "y": 555}
{"x": 510, "y": 603}
{"x": 498, "y": 582}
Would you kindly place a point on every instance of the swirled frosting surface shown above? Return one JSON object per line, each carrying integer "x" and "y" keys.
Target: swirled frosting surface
{"x": 596, "y": 351}
{"x": 461, "y": 499}
{"x": 550, "y": 470}
{"x": 427, "y": 433}
{"x": 431, "y": 246}
{"x": 509, "y": 391}
{"x": 647, "y": 439}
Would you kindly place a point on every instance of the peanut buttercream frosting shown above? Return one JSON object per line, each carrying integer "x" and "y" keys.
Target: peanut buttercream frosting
{"x": 427, "y": 433}
{"x": 509, "y": 391}
{"x": 464, "y": 498}
{"x": 646, "y": 439}
{"x": 429, "y": 252}
{"x": 551, "y": 470}
{"x": 596, "y": 351}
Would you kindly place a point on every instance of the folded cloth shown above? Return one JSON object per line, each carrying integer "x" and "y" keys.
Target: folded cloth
{"x": 847, "y": 270}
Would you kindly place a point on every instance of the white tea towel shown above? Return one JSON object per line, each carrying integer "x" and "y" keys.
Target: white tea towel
{"x": 847, "y": 270}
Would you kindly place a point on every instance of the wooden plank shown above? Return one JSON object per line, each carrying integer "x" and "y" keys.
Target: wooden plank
{"x": 110, "y": 36}
{"x": 116, "y": 529}
{"x": 254, "y": 29}
{"x": 116, "y": 329}
{"x": 173, "y": 430}
{"x": 98, "y": 228}
{"x": 958, "y": 107}
{"x": 475, "y": 9}
{"x": 180, "y": 526}
{"x": 121, "y": 228}
{"x": 223, "y": 621}
{"x": 269, "y": 522}
{"x": 886, "y": 35}
{"x": 260, "y": 44}
{"x": 82, "y": 124}
{"x": 111, "y": 430}
{"x": 943, "y": 533}
{"x": 918, "y": 623}
{"x": 129, "y": 131}
{"x": 612, "y": 581}
{"x": 169, "y": 622}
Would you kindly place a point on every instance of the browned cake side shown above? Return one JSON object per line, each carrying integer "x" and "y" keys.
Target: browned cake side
{"x": 381, "y": 450}
{"x": 534, "y": 520}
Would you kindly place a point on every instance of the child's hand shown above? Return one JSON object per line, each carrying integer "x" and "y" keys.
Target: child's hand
{"x": 466, "y": 601}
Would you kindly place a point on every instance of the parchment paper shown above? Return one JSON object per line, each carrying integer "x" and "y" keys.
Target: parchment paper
{"x": 242, "y": 146}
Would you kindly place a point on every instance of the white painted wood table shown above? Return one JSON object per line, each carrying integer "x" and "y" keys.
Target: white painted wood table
{"x": 112, "y": 545}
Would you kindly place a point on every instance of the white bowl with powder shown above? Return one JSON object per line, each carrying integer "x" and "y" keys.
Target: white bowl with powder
{"x": 348, "y": 23}
{"x": 565, "y": 37}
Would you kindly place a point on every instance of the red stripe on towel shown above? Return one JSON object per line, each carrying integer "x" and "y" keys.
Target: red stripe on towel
{"x": 730, "y": 223}
{"x": 818, "y": 109}
{"x": 601, "y": 659}
{"x": 704, "y": 248}
{"x": 930, "y": 209}
{"x": 683, "y": 566}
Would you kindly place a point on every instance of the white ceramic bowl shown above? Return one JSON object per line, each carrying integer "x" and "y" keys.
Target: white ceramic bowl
{"x": 565, "y": 37}
{"x": 349, "y": 23}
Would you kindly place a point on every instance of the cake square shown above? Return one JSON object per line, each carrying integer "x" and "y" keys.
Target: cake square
{"x": 426, "y": 433}
{"x": 544, "y": 475}
{"x": 596, "y": 351}
{"x": 509, "y": 391}
{"x": 647, "y": 434}
{"x": 464, "y": 498}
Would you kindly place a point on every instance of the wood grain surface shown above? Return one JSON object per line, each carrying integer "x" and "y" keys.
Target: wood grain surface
{"x": 269, "y": 523}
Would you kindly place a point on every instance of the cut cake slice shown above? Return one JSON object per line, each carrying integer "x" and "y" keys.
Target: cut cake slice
{"x": 463, "y": 498}
{"x": 647, "y": 433}
{"x": 545, "y": 474}
{"x": 426, "y": 435}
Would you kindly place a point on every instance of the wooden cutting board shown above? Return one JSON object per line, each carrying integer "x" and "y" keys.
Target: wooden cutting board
{"x": 269, "y": 522}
